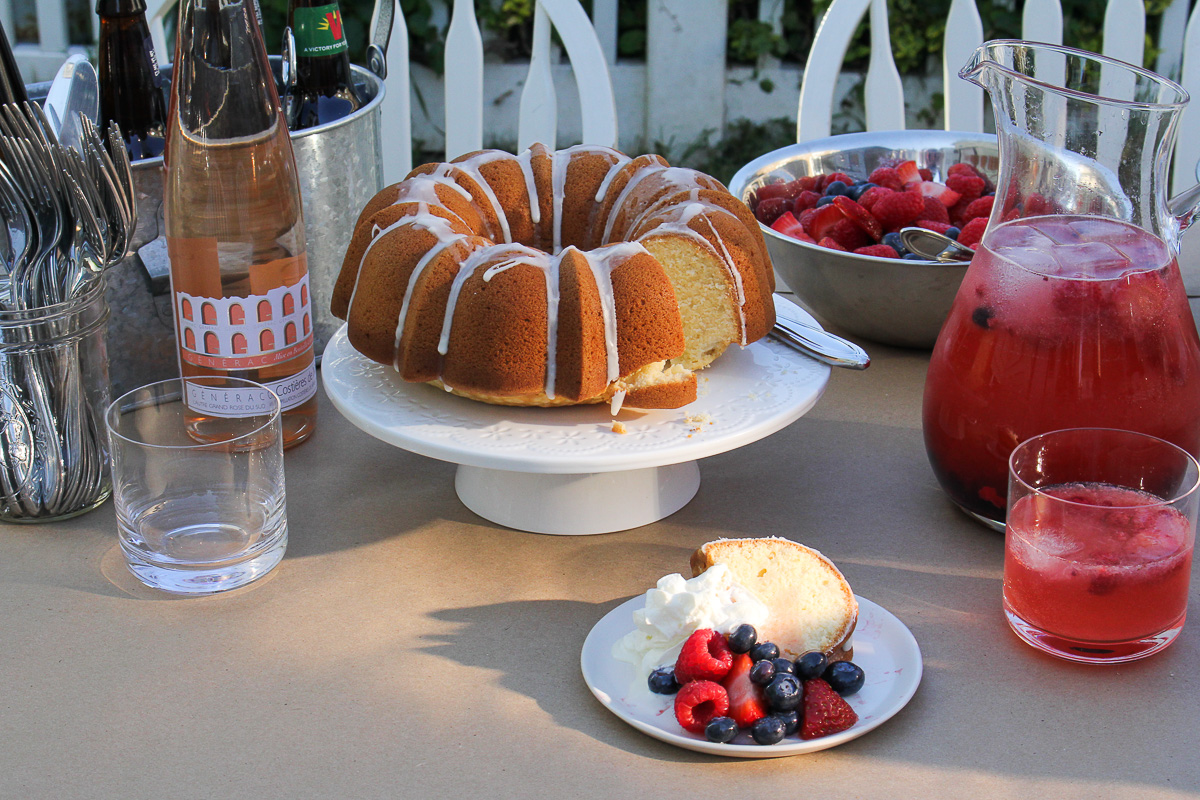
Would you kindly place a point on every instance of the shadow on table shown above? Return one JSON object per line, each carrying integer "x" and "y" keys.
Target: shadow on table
{"x": 535, "y": 646}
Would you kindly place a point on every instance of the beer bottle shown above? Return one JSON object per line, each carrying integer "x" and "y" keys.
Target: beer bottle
{"x": 235, "y": 226}
{"x": 130, "y": 83}
{"x": 321, "y": 88}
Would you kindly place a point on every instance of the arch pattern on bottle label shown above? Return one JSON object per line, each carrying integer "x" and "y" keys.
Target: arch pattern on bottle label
{"x": 279, "y": 327}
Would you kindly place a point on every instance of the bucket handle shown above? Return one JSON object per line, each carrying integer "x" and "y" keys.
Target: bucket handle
{"x": 381, "y": 36}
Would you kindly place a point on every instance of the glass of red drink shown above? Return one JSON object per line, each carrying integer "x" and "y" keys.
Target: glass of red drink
{"x": 1072, "y": 312}
{"x": 1098, "y": 545}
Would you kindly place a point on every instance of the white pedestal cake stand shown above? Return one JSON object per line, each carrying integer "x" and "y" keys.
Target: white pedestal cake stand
{"x": 564, "y": 470}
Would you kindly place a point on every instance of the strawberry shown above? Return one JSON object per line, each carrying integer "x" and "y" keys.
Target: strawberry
{"x": 699, "y": 702}
{"x": 934, "y": 210}
{"x": 981, "y": 207}
{"x": 886, "y": 177}
{"x": 806, "y": 217}
{"x": 747, "y": 703}
{"x": 837, "y": 176}
{"x": 805, "y": 200}
{"x": 908, "y": 172}
{"x": 832, "y": 244}
{"x": 937, "y": 226}
{"x": 705, "y": 657}
{"x": 926, "y": 174}
{"x": 898, "y": 209}
{"x": 880, "y": 250}
{"x": 825, "y": 712}
{"x": 972, "y": 232}
{"x": 871, "y": 195}
{"x": 968, "y": 186}
{"x": 849, "y": 235}
{"x": 823, "y": 221}
{"x": 941, "y": 191}
{"x": 788, "y": 225}
{"x": 860, "y": 217}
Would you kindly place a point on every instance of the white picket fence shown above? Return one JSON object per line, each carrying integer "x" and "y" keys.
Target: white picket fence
{"x": 681, "y": 91}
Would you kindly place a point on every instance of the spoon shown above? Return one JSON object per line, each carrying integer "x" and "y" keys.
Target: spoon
{"x": 934, "y": 246}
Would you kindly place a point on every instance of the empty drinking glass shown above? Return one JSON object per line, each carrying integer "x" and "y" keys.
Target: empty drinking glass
{"x": 200, "y": 498}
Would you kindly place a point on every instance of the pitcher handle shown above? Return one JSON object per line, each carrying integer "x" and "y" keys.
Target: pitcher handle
{"x": 1185, "y": 206}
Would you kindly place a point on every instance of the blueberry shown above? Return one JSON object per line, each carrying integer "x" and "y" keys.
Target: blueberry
{"x": 763, "y": 672}
{"x": 811, "y": 665}
{"x": 893, "y": 241}
{"x": 768, "y": 730}
{"x": 824, "y": 201}
{"x": 783, "y": 665}
{"x": 845, "y": 677}
{"x": 836, "y": 188}
{"x": 784, "y": 693}
{"x": 982, "y": 316}
{"x": 764, "y": 650}
{"x": 913, "y": 257}
{"x": 742, "y": 638}
{"x": 662, "y": 681}
{"x": 858, "y": 190}
{"x": 720, "y": 729}
{"x": 791, "y": 721}
{"x": 953, "y": 232}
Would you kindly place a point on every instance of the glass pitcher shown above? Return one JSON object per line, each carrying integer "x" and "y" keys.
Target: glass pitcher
{"x": 1072, "y": 312}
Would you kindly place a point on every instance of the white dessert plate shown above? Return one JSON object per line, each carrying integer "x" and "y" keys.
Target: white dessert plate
{"x": 883, "y": 646}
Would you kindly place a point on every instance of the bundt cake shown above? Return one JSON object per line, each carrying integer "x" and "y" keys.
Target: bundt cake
{"x": 555, "y": 277}
{"x": 811, "y": 605}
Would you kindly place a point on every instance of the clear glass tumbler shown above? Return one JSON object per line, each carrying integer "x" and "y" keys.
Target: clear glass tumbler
{"x": 1098, "y": 546}
{"x": 199, "y": 512}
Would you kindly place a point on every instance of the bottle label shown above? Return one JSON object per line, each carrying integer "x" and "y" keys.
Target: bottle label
{"x": 318, "y": 31}
{"x": 238, "y": 333}
{"x": 218, "y": 402}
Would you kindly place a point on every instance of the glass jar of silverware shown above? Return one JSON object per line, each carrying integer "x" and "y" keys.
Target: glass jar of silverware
{"x": 69, "y": 212}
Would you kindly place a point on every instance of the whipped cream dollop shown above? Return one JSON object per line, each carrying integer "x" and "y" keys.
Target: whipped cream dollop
{"x": 676, "y": 608}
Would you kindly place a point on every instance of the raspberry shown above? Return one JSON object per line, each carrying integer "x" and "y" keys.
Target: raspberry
{"x": 880, "y": 250}
{"x": 805, "y": 200}
{"x": 870, "y": 196}
{"x": 769, "y": 210}
{"x": 935, "y": 211}
{"x": 926, "y": 174}
{"x": 699, "y": 702}
{"x": 937, "y": 226}
{"x": 963, "y": 168}
{"x": 981, "y": 207}
{"x": 831, "y": 244}
{"x": 849, "y": 235}
{"x": 898, "y": 209}
{"x": 972, "y": 232}
{"x": 837, "y": 176}
{"x": 969, "y": 186}
{"x": 705, "y": 657}
{"x": 825, "y": 712}
{"x": 811, "y": 183}
{"x": 886, "y": 177}
{"x": 958, "y": 210}
{"x": 1036, "y": 205}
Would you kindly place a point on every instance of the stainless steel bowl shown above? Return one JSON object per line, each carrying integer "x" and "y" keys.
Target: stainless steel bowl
{"x": 884, "y": 299}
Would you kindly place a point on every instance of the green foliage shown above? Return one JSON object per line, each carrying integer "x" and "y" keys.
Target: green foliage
{"x": 751, "y": 38}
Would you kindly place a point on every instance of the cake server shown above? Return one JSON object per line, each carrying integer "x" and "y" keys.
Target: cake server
{"x": 791, "y": 329}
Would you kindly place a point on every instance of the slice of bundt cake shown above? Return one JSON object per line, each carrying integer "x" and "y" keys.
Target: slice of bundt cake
{"x": 811, "y": 605}
{"x": 551, "y": 278}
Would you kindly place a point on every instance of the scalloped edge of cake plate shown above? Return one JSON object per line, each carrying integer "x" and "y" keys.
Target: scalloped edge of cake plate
{"x": 563, "y": 470}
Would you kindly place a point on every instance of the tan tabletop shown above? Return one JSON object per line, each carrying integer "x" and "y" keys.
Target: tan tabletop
{"x": 407, "y": 648}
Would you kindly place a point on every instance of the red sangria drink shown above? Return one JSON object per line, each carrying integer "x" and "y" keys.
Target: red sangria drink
{"x": 1098, "y": 571}
{"x": 1062, "y": 321}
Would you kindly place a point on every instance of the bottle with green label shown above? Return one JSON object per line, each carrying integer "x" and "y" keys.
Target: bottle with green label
{"x": 320, "y": 87}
